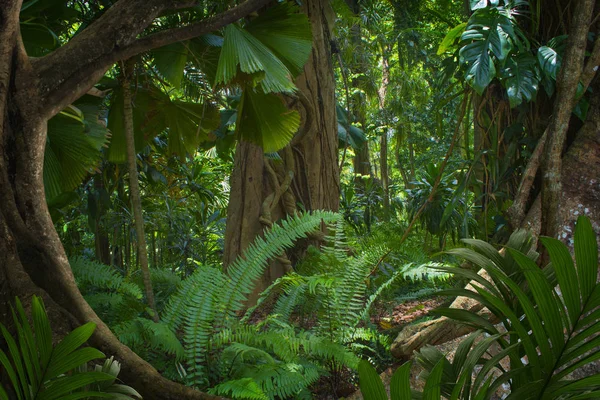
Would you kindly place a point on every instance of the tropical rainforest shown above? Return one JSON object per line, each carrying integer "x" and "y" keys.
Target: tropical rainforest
{"x": 295, "y": 199}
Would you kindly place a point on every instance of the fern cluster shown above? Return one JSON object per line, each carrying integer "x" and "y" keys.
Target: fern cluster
{"x": 281, "y": 361}
{"x": 208, "y": 303}
{"x": 118, "y": 300}
{"x": 333, "y": 292}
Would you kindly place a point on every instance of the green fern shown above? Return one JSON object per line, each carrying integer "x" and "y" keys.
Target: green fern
{"x": 94, "y": 276}
{"x": 209, "y": 300}
{"x": 282, "y": 362}
{"x": 141, "y": 333}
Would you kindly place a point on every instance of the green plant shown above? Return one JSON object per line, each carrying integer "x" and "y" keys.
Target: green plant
{"x": 550, "y": 327}
{"x": 332, "y": 293}
{"x": 275, "y": 360}
{"x": 554, "y": 329}
{"x": 208, "y": 302}
{"x": 443, "y": 213}
{"x": 372, "y": 387}
{"x": 37, "y": 369}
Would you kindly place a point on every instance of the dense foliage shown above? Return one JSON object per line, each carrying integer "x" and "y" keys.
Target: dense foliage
{"x": 441, "y": 114}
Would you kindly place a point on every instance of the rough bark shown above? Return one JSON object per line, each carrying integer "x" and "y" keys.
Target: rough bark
{"x": 257, "y": 196}
{"x": 135, "y": 196}
{"x": 32, "y": 259}
{"x": 567, "y": 81}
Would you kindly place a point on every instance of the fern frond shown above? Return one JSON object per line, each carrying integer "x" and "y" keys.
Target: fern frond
{"x": 244, "y": 388}
{"x": 142, "y": 332}
{"x": 245, "y": 270}
{"x": 92, "y": 275}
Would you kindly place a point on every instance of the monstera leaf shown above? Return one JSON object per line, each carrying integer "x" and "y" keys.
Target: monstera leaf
{"x": 75, "y": 138}
{"x": 549, "y": 58}
{"x": 520, "y": 77}
{"x": 488, "y": 35}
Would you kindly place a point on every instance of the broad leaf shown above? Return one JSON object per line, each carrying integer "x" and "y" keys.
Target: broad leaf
{"x": 170, "y": 61}
{"x": 451, "y": 38}
{"x": 264, "y": 119}
{"x": 286, "y": 32}
{"x": 520, "y": 78}
{"x": 370, "y": 383}
{"x": 241, "y": 49}
{"x": 75, "y": 137}
{"x": 489, "y": 33}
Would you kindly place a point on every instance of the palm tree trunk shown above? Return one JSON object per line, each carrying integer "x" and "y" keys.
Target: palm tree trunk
{"x": 134, "y": 188}
{"x": 383, "y": 147}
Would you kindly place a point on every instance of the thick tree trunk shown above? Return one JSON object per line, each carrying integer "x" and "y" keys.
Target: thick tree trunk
{"x": 309, "y": 172}
{"x": 135, "y": 196}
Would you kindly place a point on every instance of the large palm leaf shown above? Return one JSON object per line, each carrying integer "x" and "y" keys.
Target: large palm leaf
{"x": 553, "y": 330}
{"x": 75, "y": 138}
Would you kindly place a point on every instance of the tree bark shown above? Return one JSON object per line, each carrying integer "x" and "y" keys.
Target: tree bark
{"x": 135, "y": 196}
{"x": 262, "y": 191}
{"x": 567, "y": 82}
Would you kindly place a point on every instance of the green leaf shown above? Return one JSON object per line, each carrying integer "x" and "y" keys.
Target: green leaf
{"x": 400, "y": 383}
{"x": 286, "y": 32}
{"x": 43, "y": 333}
{"x": 370, "y": 383}
{"x": 74, "y": 340}
{"x": 451, "y": 37}
{"x": 253, "y": 57}
{"x": 263, "y": 119}
{"x": 59, "y": 366}
{"x": 566, "y": 274}
{"x": 520, "y": 78}
{"x": 353, "y": 137}
{"x": 61, "y": 387}
{"x": 75, "y": 138}
{"x": 488, "y": 33}
{"x": 433, "y": 386}
{"x": 170, "y": 61}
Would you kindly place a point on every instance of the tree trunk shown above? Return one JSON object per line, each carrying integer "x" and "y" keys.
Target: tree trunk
{"x": 383, "y": 148}
{"x": 134, "y": 186}
{"x": 567, "y": 82}
{"x": 309, "y": 172}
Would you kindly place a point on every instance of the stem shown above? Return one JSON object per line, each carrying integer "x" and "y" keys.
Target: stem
{"x": 134, "y": 185}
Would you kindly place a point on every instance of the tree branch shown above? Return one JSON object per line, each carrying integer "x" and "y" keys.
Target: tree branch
{"x": 70, "y": 71}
